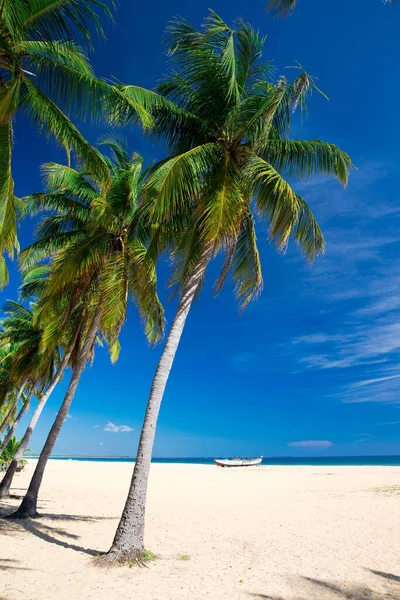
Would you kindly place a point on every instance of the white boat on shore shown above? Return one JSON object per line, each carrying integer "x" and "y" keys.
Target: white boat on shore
{"x": 238, "y": 462}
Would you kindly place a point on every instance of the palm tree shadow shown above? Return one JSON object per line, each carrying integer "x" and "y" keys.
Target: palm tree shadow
{"x": 388, "y": 576}
{"x": 45, "y": 533}
{"x": 66, "y": 517}
{"x": 345, "y": 592}
{"x": 9, "y": 563}
{"x": 7, "y": 510}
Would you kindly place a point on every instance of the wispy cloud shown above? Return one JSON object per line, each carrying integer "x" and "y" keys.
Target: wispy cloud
{"x": 96, "y": 426}
{"x": 316, "y": 444}
{"x": 117, "y": 428}
{"x": 347, "y": 318}
{"x": 376, "y": 380}
{"x": 385, "y": 389}
{"x": 362, "y": 437}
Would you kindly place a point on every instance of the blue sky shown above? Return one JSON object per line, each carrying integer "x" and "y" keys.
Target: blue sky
{"x": 312, "y": 368}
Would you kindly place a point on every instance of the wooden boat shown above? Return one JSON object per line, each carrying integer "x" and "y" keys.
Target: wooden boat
{"x": 238, "y": 462}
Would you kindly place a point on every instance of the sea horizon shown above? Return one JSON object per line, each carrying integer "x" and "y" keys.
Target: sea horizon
{"x": 368, "y": 460}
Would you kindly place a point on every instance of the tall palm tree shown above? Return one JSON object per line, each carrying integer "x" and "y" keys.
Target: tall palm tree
{"x": 43, "y": 72}
{"x": 286, "y": 7}
{"x": 229, "y": 140}
{"x": 98, "y": 260}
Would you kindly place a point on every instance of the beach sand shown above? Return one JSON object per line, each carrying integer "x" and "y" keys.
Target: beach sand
{"x": 287, "y": 533}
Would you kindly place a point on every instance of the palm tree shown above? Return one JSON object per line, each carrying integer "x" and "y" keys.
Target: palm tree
{"x": 13, "y": 426}
{"x": 98, "y": 261}
{"x": 30, "y": 359}
{"x": 42, "y": 70}
{"x": 10, "y": 404}
{"x": 11, "y": 386}
{"x": 89, "y": 323}
{"x": 228, "y": 135}
{"x": 286, "y": 7}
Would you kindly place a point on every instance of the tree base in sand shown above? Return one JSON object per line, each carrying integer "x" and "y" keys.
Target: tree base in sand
{"x": 23, "y": 514}
{"x": 139, "y": 558}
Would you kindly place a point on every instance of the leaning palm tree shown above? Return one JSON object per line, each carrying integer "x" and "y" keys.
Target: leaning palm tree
{"x": 41, "y": 364}
{"x": 43, "y": 72}
{"x": 11, "y": 387}
{"x": 228, "y": 135}
{"x": 286, "y": 7}
{"x": 85, "y": 323}
{"x": 98, "y": 262}
{"x": 26, "y": 402}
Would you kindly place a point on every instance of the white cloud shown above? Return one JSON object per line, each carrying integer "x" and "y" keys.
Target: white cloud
{"x": 318, "y": 444}
{"x": 117, "y": 428}
{"x": 96, "y": 426}
{"x": 372, "y": 381}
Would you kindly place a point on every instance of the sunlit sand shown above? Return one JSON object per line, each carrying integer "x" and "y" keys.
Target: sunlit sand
{"x": 293, "y": 533}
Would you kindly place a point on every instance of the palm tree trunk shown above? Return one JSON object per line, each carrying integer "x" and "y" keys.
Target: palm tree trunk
{"x": 28, "y": 506}
{"x": 17, "y": 420}
{"x": 8, "y": 417}
{"x": 128, "y": 544}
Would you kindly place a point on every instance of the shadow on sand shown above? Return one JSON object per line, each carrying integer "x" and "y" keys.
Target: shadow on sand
{"x": 388, "y": 576}
{"x": 348, "y": 592}
{"x": 46, "y": 532}
{"x": 8, "y": 564}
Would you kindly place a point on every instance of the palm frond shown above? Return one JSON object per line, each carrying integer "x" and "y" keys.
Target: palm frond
{"x": 278, "y": 203}
{"x": 55, "y": 123}
{"x": 9, "y": 204}
{"x": 304, "y": 158}
{"x": 275, "y": 199}
{"x": 219, "y": 208}
{"x": 282, "y": 8}
{"x": 308, "y": 233}
{"x": 44, "y": 249}
{"x": 58, "y": 19}
{"x": 9, "y": 99}
{"x": 60, "y": 179}
{"x": 246, "y": 263}
{"x": 177, "y": 180}
{"x": 250, "y": 68}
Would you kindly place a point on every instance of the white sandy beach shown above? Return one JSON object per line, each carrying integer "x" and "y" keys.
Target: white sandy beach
{"x": 290, "y": 533}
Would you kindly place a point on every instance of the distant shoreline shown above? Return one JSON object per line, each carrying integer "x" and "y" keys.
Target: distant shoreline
{"x": 333, "y": 461}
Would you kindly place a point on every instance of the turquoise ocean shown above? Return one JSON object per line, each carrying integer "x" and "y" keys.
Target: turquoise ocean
{"x": 327, "y": 461}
